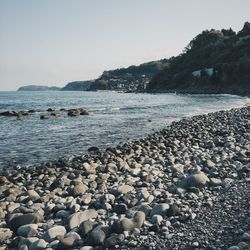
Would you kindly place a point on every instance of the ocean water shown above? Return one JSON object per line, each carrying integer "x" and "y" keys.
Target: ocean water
{"x": 114, "y": 118}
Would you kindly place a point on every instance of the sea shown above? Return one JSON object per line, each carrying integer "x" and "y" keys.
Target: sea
{"x": 113, "y": 119}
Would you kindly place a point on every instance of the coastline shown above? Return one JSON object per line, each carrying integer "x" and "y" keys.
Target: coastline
{"x": 159, "y": 184}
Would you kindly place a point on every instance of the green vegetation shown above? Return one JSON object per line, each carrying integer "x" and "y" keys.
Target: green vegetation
{"x": 131, "y": 79}
{"x": 213, "y": 62}
{"x": 77, "y": 86}
{"x": 37, "y": 88}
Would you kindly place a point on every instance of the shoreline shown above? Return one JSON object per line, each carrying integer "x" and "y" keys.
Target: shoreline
{"x": 59, "y": 115}
{"x": 140, "y": 194}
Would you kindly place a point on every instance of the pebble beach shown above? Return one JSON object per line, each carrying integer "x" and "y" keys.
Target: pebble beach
{"x": 184, "y": 187}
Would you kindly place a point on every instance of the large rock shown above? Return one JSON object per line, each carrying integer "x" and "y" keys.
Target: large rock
{"x": 9, "y": 113}
{"x": 114, "y": 239}
{"x": 5, "y": 234}
{"x": 87, "y": 226}
{"x": 159, "y": 209}
{"x": 54, "y": 232}
{"x": 198, "y": 179}
{"x": 76, "y": 219}
{"x": 24, "y": 219}
{"x": 78, "y": 189}
{"x": 33, "y": 195}
{"x": 124, "y": 189}
{"x": 28, "y": 230}
{"x": 127, "y": 224}
{"x": 38, "y": 245}
{"x": 2, "y": 214}
{"x": 67, "y": 243}
{"x": 97, "y": 236}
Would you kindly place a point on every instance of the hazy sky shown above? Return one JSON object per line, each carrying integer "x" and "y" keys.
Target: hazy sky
{"x": 53, "y": 42}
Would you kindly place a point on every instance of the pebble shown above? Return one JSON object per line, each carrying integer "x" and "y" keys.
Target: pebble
{"x": 154, "y": 192}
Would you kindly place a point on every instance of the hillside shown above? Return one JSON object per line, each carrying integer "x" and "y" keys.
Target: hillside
{"x": 213, "y": 62}
{"x": 131, "y": 79}
{"x": 37, "y": 88}
{"x": 77, "y": 86}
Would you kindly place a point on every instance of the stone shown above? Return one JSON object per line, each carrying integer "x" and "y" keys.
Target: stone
{"x": 78, "y": 189}
{"x": 29, "y": 218}
{"x": 96, "y": 238}
{"x": 124, "y": 189}
{"x": 87, "y": 248}
{"x": 9, "y": 113}
{"x": 38, "y": 245}
{"x": 76, "y": 219}
{"x": 87, "y": 226}
{"x": 173, "y": 210}
{"x": 209, "y": 164}
{"x": 160, "y": 209}
{"x": 73, "y": 234}
{"x": 89, "y": 168}
{"x": 44, "y": 117}
{"x": 93, "y": 150}
{"x": 156, "y": 219}
{"x": 112, "y": 168}
{"x": 53, "y": 233}
{"x": 120, "y": 208}
{"x": 197, "y": 180}
{"x": 66, "y": 243}
{"x": 233, "y": 248}
{"x": 215, "y": 182}
{"x": 114, "y": 239}
{"x": 50, "y": 110}
{"x": 3, "y": 180}
{"x": 245, "y": 236}
{"x": 127, "y": 224}
{"x": 23, "y": 247}
{"x": 33, "y": 195}
{"x": 28, "y": 230}
{"x": 2, "y": 214}
{"x": 5, "y": 234}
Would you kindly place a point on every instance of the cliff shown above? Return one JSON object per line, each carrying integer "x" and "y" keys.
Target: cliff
{"x": 213, "y": 62}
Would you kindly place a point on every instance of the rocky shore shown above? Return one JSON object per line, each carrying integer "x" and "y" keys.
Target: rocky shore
{"x": 45, "y": 114}
{"x": 184, "y": 187}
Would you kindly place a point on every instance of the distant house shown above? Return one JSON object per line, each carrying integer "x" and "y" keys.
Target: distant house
{"x": 209, "y": 72}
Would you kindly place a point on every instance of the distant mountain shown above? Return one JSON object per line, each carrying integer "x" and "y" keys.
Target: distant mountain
{"x": 37, "y": 88}
{"x": 131, "y": 79}
{"x": 77, "y": 85}
{"x": 215, "y": 61}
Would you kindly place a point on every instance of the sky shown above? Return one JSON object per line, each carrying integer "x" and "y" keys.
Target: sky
{"x": 53, "y": 42}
